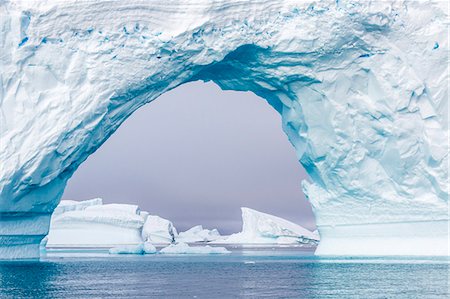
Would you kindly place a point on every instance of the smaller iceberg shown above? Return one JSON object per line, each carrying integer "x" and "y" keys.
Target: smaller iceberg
{"x": 158, "y": 230}
{"x": 91, "y": 224}
{"x": 144, "y": 248}
{"x": 73, "y": 205}
{"x": 262, "y": 228}
{"x": 198, "y": 234}
{"x": 149, "y": 248}
{"x": 127, "y": 249}
{"x": 183, "y": 248}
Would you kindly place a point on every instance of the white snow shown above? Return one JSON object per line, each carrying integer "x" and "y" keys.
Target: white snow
{"x": 262, "y": 228}
{"x": 183, "y": 248}
{"x": 198, "y": 234}
{"x": 361, "y": 87}
{"x": 158, "y": 230}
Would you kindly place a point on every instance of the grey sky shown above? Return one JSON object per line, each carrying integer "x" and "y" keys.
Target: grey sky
{"x": 194, "y": 156}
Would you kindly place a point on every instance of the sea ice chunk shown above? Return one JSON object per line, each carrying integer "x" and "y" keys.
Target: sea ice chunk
{"x": 128, "y": 249}
{"x": 183, "y": 248}
{"x": 149, "y": 248}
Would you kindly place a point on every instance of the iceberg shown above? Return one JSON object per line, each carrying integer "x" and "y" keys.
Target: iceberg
{"x": 262, "y": 228}
{"x": 198, "y": 234}
{"x": 127, "y": 249}
{"x": 84, "y": 224}
{"x": 158, "y": 230}
{"x": 143, "y": 248}
{"x": 361, "y": 87}
{"x": 183, "y": 248}
{"x": 149, "y": 248}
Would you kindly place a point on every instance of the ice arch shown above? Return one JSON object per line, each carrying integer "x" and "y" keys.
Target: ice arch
{"x": 361, "y": 87}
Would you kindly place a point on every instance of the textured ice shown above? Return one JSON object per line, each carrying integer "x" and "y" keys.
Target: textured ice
{"x": 73, "y": 205}
{"x": 87, "y": 225}
{"x": 198, "y": 234}
{"x": 183, "y": 248}
{"x": 262, "y": 228}
{"x": 361, "y": 86}
{"x": 158, "y": 230}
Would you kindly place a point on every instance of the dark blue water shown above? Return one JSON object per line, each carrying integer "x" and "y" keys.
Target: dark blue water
{"x": 258, "y": 274}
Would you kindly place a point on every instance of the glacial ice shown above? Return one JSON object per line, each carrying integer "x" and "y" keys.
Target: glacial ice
{"x": 91, "y": 224}
{"x": 158, "y": 230}
{"x": 262, "y": 228}
{"x": 198, "y": 234}
{"x": 361, "y": 88}
{"x": 183, "y": 248}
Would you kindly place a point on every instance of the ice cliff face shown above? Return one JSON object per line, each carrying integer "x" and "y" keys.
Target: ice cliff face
{"x": 362, "y": 88}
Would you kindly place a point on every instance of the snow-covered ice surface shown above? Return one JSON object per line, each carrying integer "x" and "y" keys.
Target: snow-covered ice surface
{"x": 198, "y": 234}
{"x": 183, "y": 248}
{"x": 362, "y": 88}
{"x": 262, "y": 228}
{"x": 85, "y": 224}
{"x": 158, "y": 230}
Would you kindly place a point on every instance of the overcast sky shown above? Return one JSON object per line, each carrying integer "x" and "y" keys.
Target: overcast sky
{"x": 195, "y": 156}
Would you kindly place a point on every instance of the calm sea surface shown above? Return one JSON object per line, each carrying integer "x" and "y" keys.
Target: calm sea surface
{"x": 244, "y": 273}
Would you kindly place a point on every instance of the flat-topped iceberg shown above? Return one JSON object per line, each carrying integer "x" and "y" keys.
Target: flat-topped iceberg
{"x": 89, "y": 224}
{"x": 183, "y": 248}
{"x": 262, "y": 228}
{"x": 198, "y": 234}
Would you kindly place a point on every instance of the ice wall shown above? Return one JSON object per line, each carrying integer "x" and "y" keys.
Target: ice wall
{"x": 362, "y": 88}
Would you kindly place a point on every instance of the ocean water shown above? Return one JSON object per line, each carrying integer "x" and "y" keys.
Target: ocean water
{"x": 243, "y": 273}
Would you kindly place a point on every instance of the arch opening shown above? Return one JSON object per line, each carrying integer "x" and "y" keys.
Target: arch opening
{"x": 195, "y": 156}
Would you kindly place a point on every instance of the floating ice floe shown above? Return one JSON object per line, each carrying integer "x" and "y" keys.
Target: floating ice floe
{"x": 127, "y": 249}
{"x": 183, "y": 248}
{"x": 143, "y": 248}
